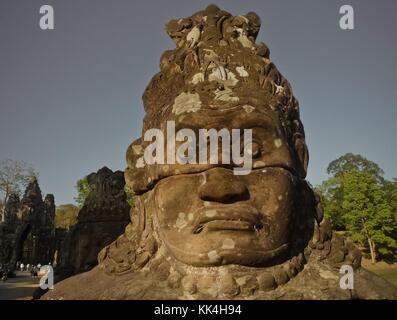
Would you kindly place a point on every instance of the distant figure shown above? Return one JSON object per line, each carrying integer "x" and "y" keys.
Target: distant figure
{"x": 39, "y": 266}
{"x": 28, "y": 267}
{"x": 22, "y": 266}
{"x": 4, "y": 275}
{"x": 35, "y": 273}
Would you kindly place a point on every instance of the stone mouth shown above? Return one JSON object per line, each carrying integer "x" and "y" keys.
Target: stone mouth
{"x": 227, "y": 218}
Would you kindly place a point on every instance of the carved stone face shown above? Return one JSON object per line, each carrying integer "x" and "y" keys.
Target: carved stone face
{"x": 218, "y": 78}
{"x": 214, "y": 217}
{"x": 226, "y": 219}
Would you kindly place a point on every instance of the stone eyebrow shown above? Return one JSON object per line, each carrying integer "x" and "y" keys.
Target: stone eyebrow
{"x": 265, "y": 122}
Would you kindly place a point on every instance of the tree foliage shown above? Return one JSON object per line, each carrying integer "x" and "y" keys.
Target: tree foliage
{"x": 14, "y": 177}
{"x": 350, "y": 162}
{"x": 392, "y": 195}
{"x": 392, "y": 198}
{"x": 357, "y": 199}
{"x": 331, "y": 191}
{"x": 369, "y": 218}
{"x": 83, "y": 190}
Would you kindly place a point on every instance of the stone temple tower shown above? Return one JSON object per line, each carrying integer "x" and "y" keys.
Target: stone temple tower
{"x": 28, "y": 231}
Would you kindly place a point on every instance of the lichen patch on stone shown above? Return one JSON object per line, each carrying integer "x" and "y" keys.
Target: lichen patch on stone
{"x": 225, "y": 95}
{"x": 244, "y": 40}
{"x": 279, "y": 89}
{"x": 197, "y": 78}
{"x": 242, "y": 72}
{"x": 278, "y": 143}
{"x": 223, "y": 75}
{"x": 181, "y": 221}
{"x": 213, "y": 255}
{"x": 228, "y": 244}
{"x": 140, "y": 163}
{"x": 210, "y": 213}
{"x": 186, "y": 102}
{"x": 247, "y": 108}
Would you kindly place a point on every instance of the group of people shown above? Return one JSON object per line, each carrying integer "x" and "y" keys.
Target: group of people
{"x": 33, "y": 269}
{"x": 7, "y": 270}
{"x": 28, "y": 267}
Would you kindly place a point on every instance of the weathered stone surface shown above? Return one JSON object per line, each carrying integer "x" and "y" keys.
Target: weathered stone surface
{"x": 255, "y": 236}
{"x": 318, "y": 280}
{"x": 101, "y": 220}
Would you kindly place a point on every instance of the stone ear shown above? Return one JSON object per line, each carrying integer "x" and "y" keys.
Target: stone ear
{"x": 302, "y": 154}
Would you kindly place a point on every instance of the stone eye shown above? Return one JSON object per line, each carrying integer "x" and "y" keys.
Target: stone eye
{"x": 253, "y": 149}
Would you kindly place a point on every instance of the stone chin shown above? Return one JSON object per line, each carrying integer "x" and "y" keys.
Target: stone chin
{"x": 221, "y": 257}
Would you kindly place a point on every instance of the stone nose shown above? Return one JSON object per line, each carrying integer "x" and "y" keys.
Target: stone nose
{"x": 220, "y": 185}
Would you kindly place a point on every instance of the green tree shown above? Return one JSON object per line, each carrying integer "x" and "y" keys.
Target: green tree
{"x": 349, "y": 162}
{"x": 392, "y": 194}
{"x": 369, "y": 218}
{"x": 331, "y": 191}
{"x": 393, "y": 203}
{"x": 83, "y": 190}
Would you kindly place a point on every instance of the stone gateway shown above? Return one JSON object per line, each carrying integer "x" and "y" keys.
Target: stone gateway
{"x": 27, "y": 233}
{"x": 197, "y": 230}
